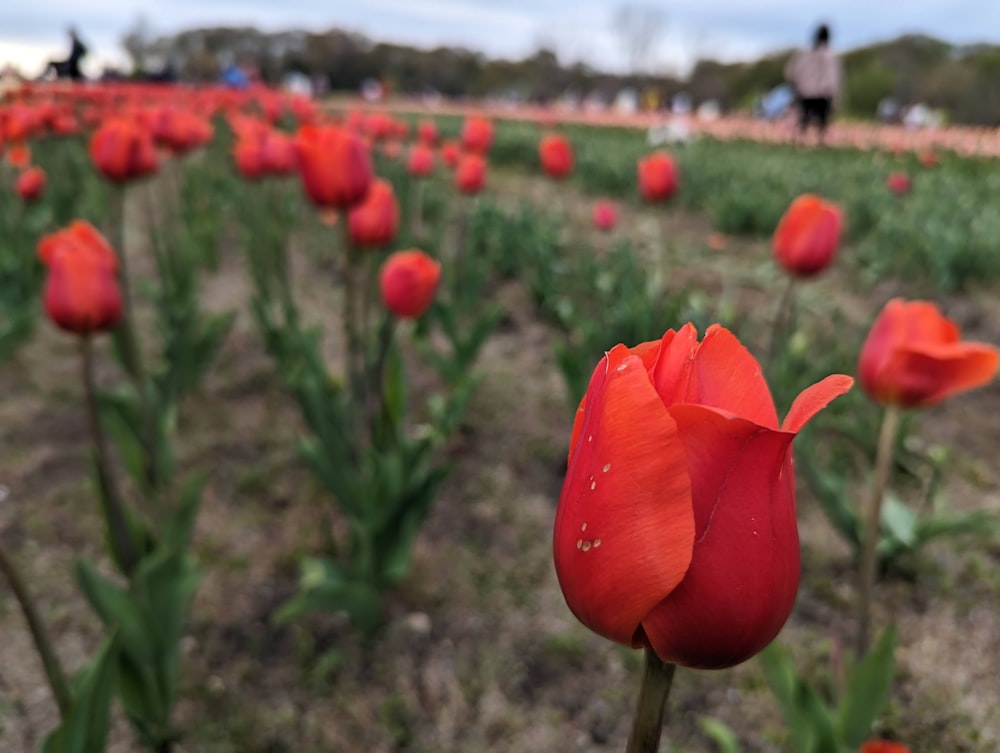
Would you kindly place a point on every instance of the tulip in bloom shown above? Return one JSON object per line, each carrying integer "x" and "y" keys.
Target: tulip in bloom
{"x": 335, "y": 166}
{"x": 914, "y": 357}
{"x": 427, "y": 133}
{"x": 807, "y": 235}
{"x": 373, "y": 222}
{"x": 676, "y": 528}
{"x": 883, "y": 746}
{"x": 556, "y": 155}
{"x": 470, "y": 176}
{"x": 477, "y": 135}
{"x": 657, "y": 177}
{"x": 421, "y": 161}
{"x": 605, "y": 215}
{"x": 409, "y": 280}
{"x": 122, "y": 150}
{"x": 30, "y": 184}
{"x": 81, "y": 291}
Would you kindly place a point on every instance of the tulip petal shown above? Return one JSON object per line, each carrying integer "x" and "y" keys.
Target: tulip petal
{"x": 744, "y": 575}
{"x": 814, "y": 399}
{"x": 719, "y": 373}
{"x": 927, "y": 375}
{"x": 625, "y": 528}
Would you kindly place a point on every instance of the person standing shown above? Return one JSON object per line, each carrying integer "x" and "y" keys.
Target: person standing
{"x": 816, "y": 76}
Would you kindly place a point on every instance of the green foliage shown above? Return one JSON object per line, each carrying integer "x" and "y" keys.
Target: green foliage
{"x": 85, "y": 728}
{"x": 817, "y": 724}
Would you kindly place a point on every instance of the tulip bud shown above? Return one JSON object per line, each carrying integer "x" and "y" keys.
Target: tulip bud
{"x": 373, "y": 222}
{"x": 605, "y": 215}
{"x": 556, "y": 156}
{"x": 30, "y": 184}
{"x": 421, "y": 161}
{"x": 657, "y": 177}
{"x": 477, "y": 135}
{"x": 335, "y": 166}
{"x": 470, "y": 177}
{"x": 807, "y": 235}
{"x": 409, "y": 280}
{"x": 122, "y": 150}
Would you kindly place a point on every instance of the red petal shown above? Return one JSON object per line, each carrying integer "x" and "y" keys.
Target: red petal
{"x": 719, "y": 373}
{"x": 741, "y": 585}
{"x": 814, "y": 399}
{"x": 927, "y": 375}
{"x": 625, "y": 527}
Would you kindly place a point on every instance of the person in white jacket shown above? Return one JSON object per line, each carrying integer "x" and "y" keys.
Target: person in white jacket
{"x": 816, "y": 76}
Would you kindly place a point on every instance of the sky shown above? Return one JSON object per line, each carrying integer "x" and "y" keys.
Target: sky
{"x": 32, "y": 32}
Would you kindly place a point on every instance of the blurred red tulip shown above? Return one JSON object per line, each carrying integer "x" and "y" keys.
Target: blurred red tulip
{"x": 898, "y": 183}
{"x": 556, "y": 155}
{"x": 122, "y": 150}
{"x": 914, "y": 357}
{"x": 807, "y": 235}
{"x": 676, "y": 528}
{"x": 421, "y": 161}
{"x": 451, "y": 154}
{"x": 373, "y": 222}
{"x": 18, "y": 154}
{"x": 477, "y": 134}
{"x": 605, "y": 215}
{"x": 335, "y": 166}
{"x": 409, "y": 280}
{"x": 470, "y": 176}
{"x": 30, "y": 184}
{"x": 81, "y": 290}
{"x": 657, "y": 177}
{"x": 427, "y": 133}
{"x": 883, "y": 746}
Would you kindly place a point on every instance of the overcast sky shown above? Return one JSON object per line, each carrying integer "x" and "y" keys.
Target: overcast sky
{"x": 33, "y": 31}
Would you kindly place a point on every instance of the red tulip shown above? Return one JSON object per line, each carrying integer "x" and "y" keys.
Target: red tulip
{"x": 477, "y": 134}
{"x": 421, "y": 161}
{"x": 556, "y": 155}
{"x": 605, "y": 215}
{"x": 913, "y": 357}
{"x": 409, "y": 280}
{"x": 883, "y": 746}
{"x": 122, "y": 150}
{"x": 373, "y": 222}
{"x": 30, "y": 184}
{"x": 807, "y": 235}
{"x": 470, "y": 176}
{"x": 427, "y": 133}
{"x": 179, "y": 131}
{"x": 335, "y": 166}
{"x": 18, "y": 154}
{"x": 81, "y": 290}
{"x": 676, "y": 528}
{"x": 451, "y": 154}
{"x": 898, "y": 183}
{"x": 657, "y": 177}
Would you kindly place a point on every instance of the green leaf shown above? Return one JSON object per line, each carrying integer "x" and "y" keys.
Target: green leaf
{"x": 116, "y": 609}
{"x": 868, "y": 689}
{"x": 85, "y": 727}
{"x": 180, "y": 525}
{"x": 325, "y": 588}
{"x": 899, "y": 521}
{"x": 723, "y": 737}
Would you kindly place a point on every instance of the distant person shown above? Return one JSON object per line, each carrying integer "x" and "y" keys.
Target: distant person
{"x": 70, "y": 67}
{"x": 816, "y": 76}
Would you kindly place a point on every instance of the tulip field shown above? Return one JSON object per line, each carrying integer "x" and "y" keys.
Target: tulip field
{"x": 331, "y": 428}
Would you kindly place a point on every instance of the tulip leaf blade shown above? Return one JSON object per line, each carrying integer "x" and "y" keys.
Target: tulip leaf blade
{"x": 868, "y": 688}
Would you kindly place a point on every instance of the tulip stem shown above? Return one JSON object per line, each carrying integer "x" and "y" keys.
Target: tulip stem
{"x": 870, "y": 537}
{"x": 111, "y": 501}
{"x": 417, "y": 200}
{"x": 782, "y": 319}
{"x": 647, "y": 726}
{"x": 43, "y": 642}
{"x": 353, "y": 342}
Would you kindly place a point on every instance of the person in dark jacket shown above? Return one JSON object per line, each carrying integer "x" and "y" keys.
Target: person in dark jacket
{"x": 70, "y": 67}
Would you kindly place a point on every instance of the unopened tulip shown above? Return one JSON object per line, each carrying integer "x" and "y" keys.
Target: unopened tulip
{"x": 81, "y": 290}
{"x": 421, "y": 161}
{"x": 676, "y": 528}
{"x": 470, "y": 176}
{"x": 477, "y": 135}
{"x": 898, "y": 183}
{"x": 427, "y": 133}
{"x": 556, "y": 155}
{"x": 30, "y": 184}
{"x": 451, "y": 154}
{"x": 335, "y": 166}
{"x": 883, "y": 746}
{"x": 408, "y": 281}
{"x": 122, "y": 150}
{"x": 373, "y": 222}
{"x": 605, "y": 215}
{"x": 808, "y": 235}
{"x": 657, "y": 177}
{"x": 914, "y": 357}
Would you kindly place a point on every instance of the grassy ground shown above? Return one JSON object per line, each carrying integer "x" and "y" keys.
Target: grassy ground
{"x": 480, "y": 652}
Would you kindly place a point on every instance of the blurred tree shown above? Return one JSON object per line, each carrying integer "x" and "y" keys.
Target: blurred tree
{"x": 639, "y": 28}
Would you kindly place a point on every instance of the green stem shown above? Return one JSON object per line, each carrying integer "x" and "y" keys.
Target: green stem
{"x": 870, "y": 537}
{"x": 43, "y": 642}
{"x": 355, "y": 357}
{"x": 417, "y": 200}
{"x": 647, "y": 725}
{"x": 111, "y": 500}
{"x": 782, "y": 319}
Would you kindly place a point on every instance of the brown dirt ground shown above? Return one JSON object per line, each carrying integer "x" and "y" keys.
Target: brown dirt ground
{"x": 480, "y": 653}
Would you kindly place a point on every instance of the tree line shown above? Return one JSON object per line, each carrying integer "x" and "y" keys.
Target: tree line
{"x": 963, "y": 81}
